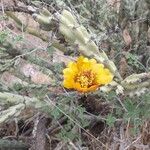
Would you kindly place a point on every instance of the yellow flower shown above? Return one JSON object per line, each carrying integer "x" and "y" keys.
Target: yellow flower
{"x": 86, "y": 75}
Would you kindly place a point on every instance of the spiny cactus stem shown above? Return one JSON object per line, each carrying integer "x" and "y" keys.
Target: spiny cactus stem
{"x": 131, "y": 86}
{"x": 55, "y": 43}
{"x": 11, "y": 112}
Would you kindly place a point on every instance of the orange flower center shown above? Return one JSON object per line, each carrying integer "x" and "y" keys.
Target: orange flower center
{"x": 85, "y": 78}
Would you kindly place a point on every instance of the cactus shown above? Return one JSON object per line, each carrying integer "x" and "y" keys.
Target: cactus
{"x": 133, "y": 85}
{"x": 77, "y": 35}
{"x": 136, "y": 81}
{"x": 73, "y": 32}
{"x": 19, "y": 103}
{"x": 137, "y": 84}
{"x": 12, "y": 111}
{"x": 138, "y": 92}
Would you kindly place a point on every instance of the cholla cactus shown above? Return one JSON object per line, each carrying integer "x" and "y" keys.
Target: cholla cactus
{"x": 137, "y": 84}
{"x": 19, "y": 103}
{"x": 77, "y": 35}
{"x": 136, "y": 81}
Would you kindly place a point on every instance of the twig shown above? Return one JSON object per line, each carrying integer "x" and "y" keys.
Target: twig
{"x": 132, "y": 143}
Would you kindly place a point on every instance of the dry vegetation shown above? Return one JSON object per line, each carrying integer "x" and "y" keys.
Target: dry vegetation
{"x": 37, "y": 40}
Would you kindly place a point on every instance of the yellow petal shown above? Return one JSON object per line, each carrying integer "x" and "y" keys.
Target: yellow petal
{"x": 97, "y": 68}
{"x": 104, "y": 77}
{"x": 68, "y": 84}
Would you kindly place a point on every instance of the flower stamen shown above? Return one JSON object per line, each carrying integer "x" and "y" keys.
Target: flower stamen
{"x": 85, "y": 78}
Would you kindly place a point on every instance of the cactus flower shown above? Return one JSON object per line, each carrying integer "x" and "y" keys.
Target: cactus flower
{"x": 85, "y": 75}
